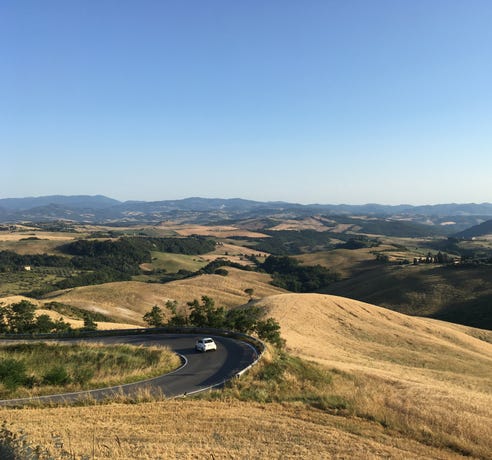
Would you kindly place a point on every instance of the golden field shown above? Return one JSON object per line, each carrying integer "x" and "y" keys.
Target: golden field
{"x": 128, "y": 301}
{"x": 414, "y": 387}
{"x": 188, "y": 429}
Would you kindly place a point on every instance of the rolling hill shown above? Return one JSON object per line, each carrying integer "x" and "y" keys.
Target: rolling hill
{"x": 128, "y": 301}
{"x": 99, "y": 209}
{"x": 414, "y": 388}
{"x": 458, "y": 294}
{"x": 417, "y": 374}
{"x": 480, "y": 230}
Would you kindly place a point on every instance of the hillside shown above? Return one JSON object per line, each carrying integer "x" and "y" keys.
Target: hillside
{"x": 75, "y": 323}
{"x": 340, "y": 331}
{"x": 413, "y": 388}
{"x": 411, "y": 373}
{"x": 129, "y": 301}
{"x": 98, "y": 209}
{"x": 458, "y": 294}
{"x": 480, "y": 230}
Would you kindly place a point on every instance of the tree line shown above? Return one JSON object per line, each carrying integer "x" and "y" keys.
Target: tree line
{"x": 204, "y": 313}
{"x": 289, "y": 274}
{"x": 20, "y": 318}
{"x": 103, "y": 261}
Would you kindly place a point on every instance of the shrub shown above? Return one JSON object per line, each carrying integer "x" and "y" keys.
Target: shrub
{"x": 57, "y": 375}
{"x": 12, "y": 373}
{"x": 83, "y": 374}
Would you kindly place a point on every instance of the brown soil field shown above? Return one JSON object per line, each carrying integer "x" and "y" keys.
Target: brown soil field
{"x": 218, "y": 231}
{"x": 216, "y": 430}
{"x": 305, "y": 224}
{"x": 129, "y": 301}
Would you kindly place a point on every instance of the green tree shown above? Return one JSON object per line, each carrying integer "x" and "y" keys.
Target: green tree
{"x": 154, "y": 317}
{"x": 269, "y": 330}
{"x": 206, "y": 314}
{"x": 4, "y": 327}
{"x": 249, "y": 291}
{"x": 44, "y": 324}
{"x": 62, "y": 326}
{"x": 89, "y": 323}
{"x": 20, "y": 317}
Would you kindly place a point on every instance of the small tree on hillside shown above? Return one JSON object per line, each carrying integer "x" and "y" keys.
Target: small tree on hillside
{"x": 44, "y": 324}
{"x": 20, "y": 317}
{"x": 269, "y": 330}
{"x": 249, "y": 291}
{"x": 155, "y": 317}
{"x": 89, "y": 323}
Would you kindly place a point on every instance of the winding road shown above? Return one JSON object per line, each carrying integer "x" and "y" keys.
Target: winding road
{"x": 200, "y": 371}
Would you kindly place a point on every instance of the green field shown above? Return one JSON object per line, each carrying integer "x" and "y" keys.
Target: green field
{"x": 20, "y": 282}
{"x": 172, "y": 263}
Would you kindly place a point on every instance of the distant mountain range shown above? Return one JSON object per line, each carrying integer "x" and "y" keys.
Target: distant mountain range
{"x": 101, "y": 209}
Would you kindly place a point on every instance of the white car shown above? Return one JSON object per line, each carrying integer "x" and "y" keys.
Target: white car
{"x": 205, "y": 344}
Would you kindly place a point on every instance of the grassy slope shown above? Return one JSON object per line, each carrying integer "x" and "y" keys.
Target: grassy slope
{"x": 423, "y": 377}
{"x": 129, "y": 301}
{"x": 346, "y": 262}
{"x": 461, "y": 295}
{"x": 220, "y": 430}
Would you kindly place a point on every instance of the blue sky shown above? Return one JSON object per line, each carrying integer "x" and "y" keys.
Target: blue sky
{"x": 346, "y": 101}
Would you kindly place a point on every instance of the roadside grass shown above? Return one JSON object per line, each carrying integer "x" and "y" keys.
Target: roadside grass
{"x": 34, "y": 369}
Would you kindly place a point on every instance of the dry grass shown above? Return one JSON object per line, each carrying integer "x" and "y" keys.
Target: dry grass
{"x": 309, "y": 223}
{"x": 75, "y": 323}
{"x": 129, "y": 301}
{"x": 46, "y": 244}
{"x": 343, "y": 261}
{"x": 423, "y": 377}
{"x": 200, "y": 429}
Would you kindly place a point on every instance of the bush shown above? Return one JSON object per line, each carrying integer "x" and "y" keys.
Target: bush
{"x": 83, "y": 374}
{"x": 57, "y": 375}
{"x": 12, "y": 373}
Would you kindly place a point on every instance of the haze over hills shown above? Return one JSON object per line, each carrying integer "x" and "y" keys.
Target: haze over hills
{"x": 101, "y": 209}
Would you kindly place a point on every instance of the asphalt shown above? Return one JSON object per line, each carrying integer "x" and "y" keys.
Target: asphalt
{"x": 199, "y": 371}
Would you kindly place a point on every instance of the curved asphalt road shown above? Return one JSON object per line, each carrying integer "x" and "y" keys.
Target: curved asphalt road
{"x": 199, "y": 372}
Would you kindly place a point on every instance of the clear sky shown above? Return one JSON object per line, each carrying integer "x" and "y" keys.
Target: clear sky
{"x": 310, "y": 101}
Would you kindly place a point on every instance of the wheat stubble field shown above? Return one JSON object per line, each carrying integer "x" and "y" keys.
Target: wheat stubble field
{"x": 414, "y": 388}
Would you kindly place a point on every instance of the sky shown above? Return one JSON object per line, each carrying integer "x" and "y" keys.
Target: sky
{"x": 312, "y": 101}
